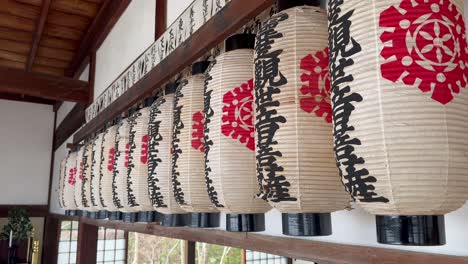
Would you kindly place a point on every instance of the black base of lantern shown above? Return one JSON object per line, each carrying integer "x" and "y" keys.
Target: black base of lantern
{"x": 307, "y": 224}
{"x": 245, "y": 222}
{"x": 204, "y": 220}
{"x": 174, "y": 220}
{"x": 129, "y": 217}
{"x": 115, "y": 216}
{"x": 146, "y": 217}
{"x": 102, "y": 214}
{"x": 79, "y": 213}
{"x": 413, "y": 230}
{"x": 91, "y": 215}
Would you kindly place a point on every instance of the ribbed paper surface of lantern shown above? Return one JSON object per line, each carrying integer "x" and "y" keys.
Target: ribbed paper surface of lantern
{"x": 61, "y": 183}
{"x": 229, "y": 134}
{"x": 188, "y": 145}
{"x": 107, "y": 169}
{"x": 96, "y": 173}
{"x": 399, "y": 71}
{"x": 79, "y": 178}
{"x": 119, "y": 185}
{"x": 70, "y": 182}
{"x": 137, "y": 171}
{"x": 295, "y": 159}
{"x": 160, "y": 156}
{"x": 86, "y": 182}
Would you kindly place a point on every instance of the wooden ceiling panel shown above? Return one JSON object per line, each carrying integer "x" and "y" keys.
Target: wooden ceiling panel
{"x": 30, "y": 2}
{"x": 48, "y": 62}
{"x": 18, "y": 23}
{"x": 58, "y": 43}
{"x": 68, "y": 20}
{"x": 15, "y": 35}
{"x": 13, "y": 64}
{"x": 48, "y": 70}
{"x": 14, "y": 8}
{"x": 13, "y": 46}
{"x": 76, "y": 7}
{"x": 64, "y": 55}
{"x": 12, "y": 56}
{"x": 63, "y": 32}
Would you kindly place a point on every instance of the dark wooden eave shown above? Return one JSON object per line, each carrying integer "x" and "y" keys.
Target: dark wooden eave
{"x": 21, "y": 82}
{"x": 105, "y": 20}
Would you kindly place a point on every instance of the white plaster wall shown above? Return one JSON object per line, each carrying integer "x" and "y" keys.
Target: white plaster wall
{"x": 26, "y": 144}
{"x": 131, "y": 35}
{"x": 175, "y": 8}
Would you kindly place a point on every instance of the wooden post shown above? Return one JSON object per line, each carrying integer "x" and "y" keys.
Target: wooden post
{"x": 189, "y": 254}
{"x": 87, "y": 244}
{"x": 51, "y": 240}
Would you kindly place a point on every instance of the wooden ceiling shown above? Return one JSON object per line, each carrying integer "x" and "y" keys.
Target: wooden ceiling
{"x": 43, "y": 35}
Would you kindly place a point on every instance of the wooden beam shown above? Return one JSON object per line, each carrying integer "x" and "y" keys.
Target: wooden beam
{"x": 72, "y": 122}
{"x": 226, "y": 22}
{"x": 38, "y": 33}
{"x": 15, "y": 81}
{"x": 161, "y": 18}
{"x": 105, "y": 20}
{"x": 33, "y": 210}
{"x": 25, "y": 98}
{"x": 309, "y": 250}
{"x": 87, "y": 244}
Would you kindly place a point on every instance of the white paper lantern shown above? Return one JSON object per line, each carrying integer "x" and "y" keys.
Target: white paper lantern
{"x": 188, "y": 170}
{"x": 79, "y": 179}
{"x": 95, "y": 178}
{"x": 399, "y": 72}
{"x": 229, "y": 136}
{"x": 86, "y": 181}
{"x": 137, "y": 179}
{"x": 61, "y": 183}
{"x": 107, "y": 173}
{"x": 119, "y": 184}
{"x": 161, "y": 188}
{"x": 294, "y": 143}
{"x": 69, "y": 184}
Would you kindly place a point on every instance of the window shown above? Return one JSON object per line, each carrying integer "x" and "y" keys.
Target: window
{"x": 215, "y": 254}
{"x": 68, "y": 242}
{"x": 253, "y": 257}
{"x": 145, "y": 249}
{"x": 111, "y": 246}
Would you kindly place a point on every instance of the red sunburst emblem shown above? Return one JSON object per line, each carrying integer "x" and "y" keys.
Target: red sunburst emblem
{"x": 238, "y": 114}
{"x": 71, "y": 176}
{"x": 425, "y": 46}
{"x": 144, "y": 149}
{"x": 197, "y": 131}
{"x": 316, "y": 85}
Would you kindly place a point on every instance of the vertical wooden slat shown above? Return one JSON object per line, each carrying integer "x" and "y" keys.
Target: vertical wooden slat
{"x": 87, "y": 244}
{"x": 189, "y": 254}
{"x": 161, "y": 18}
{"x": 51, "y": 240}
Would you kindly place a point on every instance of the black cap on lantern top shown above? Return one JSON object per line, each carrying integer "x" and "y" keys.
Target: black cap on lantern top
{"x": 204, "y": 220}
{"x": 129, "y": 217}
{"x": 286, "y": 4}
{"x": 240, "y": 41}
{"x": 245, "y": 222}
{"x": 171, "y": 88}
{"x": 415, "y": 230}
{"x": 174, "y": 220}
{"x": 307, "y": 224}
{"x": 115, "y": 216}
{"x": 200, "y": 67}
{"x": 146, "y": 217}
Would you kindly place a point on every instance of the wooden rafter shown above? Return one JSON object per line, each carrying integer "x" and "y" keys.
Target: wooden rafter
{"x": 105, "y": 20}
{"x": 38, "y": 34}
{"x": 13, "y": 81}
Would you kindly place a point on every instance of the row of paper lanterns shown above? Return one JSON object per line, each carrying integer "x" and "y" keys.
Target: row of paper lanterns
{"x": 380, "y": 95}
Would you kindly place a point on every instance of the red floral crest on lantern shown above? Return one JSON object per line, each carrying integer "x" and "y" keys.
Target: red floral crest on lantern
{"x": 144, "y": 149}
{"x": 198, "y": 131}
{"x": 316, "y": 85}
{"x": 238, "y": 114}
{"x": 72, "y": 176}
{"x": 425, "y": 46}
{"x": 110, "y": 164}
